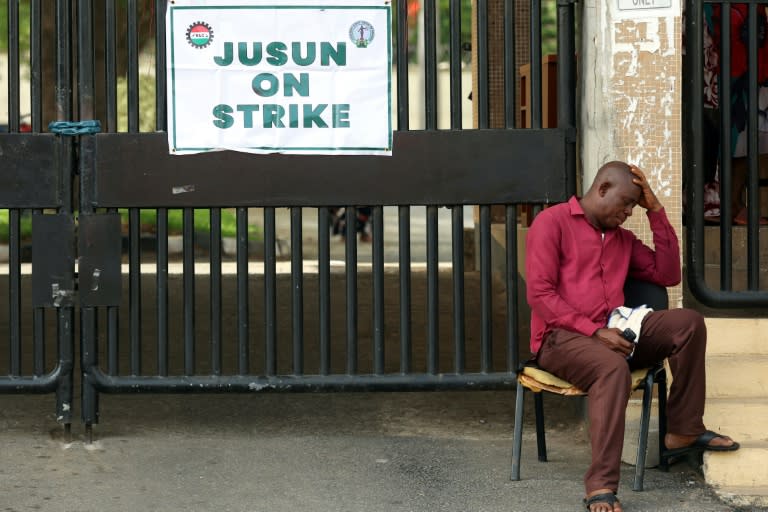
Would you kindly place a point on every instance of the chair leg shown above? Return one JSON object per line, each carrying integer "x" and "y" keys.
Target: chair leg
{"x": 541, "y": 440}
{"x": 661, "y": 380}
{"x": 517, "y": 438}
{"x": 642, "y": 442}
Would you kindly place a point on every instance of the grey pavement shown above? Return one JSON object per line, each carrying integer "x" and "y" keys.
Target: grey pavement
{"x": 389, "y": 452}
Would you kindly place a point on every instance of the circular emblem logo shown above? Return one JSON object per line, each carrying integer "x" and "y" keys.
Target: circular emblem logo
{"x": 199, "y": 34}
{"x": 361, "y": 33}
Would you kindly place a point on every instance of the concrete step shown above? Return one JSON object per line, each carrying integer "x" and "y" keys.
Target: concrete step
{"x": 751, "y": 498}
{"x": 736, "y": 336}
{"x": 739, "y": 246}
{"x": 743, "y": 419}
{"x": 744, "y": 468}
{"x": 743, "y": 376}
{"x": 739, "y": 277}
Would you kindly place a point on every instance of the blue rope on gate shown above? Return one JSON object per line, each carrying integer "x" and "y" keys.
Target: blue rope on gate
{"x": 75, "y": 127}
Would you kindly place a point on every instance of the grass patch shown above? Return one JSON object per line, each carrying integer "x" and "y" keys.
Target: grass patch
{"x": 202, "y": 222}
{"x": 148, "y": 220}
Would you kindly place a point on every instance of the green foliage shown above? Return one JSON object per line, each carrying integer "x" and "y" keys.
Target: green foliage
{"x": 548, "y": 27}
{"x": 444, "y": 29}
{"x": 25, "y": 225}
{"x": 24, "y": 29}
{"x": 202, "y": 222}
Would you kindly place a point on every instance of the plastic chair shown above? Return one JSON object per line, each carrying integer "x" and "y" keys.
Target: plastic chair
{"x": 534, "y": 379}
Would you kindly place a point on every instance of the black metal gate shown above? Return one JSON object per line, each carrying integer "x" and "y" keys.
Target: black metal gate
{"x": 725, "y": 265}
{"x": 220, "y": 323}
{"x": 36, "y": 200}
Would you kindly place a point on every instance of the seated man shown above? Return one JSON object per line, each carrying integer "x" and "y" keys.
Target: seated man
{"x": 578, "y": 258}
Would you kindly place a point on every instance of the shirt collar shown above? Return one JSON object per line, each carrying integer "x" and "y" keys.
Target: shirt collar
{"x": 575, "y": 207}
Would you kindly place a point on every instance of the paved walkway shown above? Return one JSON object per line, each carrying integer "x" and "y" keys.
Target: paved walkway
{"x": 387, "y": 452}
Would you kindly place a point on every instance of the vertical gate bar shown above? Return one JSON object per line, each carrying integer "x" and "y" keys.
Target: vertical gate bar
{"x": 88, "y": 339}
{"x": 160, "y": 81}
{"x": 110, "y": 64}
{"x": 753, "y": 141}
{"x": 297, "y": 291}
{"x": 14, "y": 92}
{"x": 14, "y": 286}
{"x": 36, "y": 66}
{"x": 65, "y": 330}
{"x": 350, "y": 250}
{"x": 243, "y": 331}
{"x": 402, "y": 65}
{"x": 512, "y": 287}
{"x": 85, "y": 80}
{"x": 134, "y": 271}
{"x": 566, "y": 85}
{"x": 38, "y": 333}
{"x": 455, "y": 56}
{"x": 64, "y": 77}
{"x": 215, "y": 270}
{"x": 404, "y": 257}
{"x": 433, "y": 299}
{"x": 481, "y": 95}
{"x": 324, "y": 287}
{"x": 726, "y": 176}
{"x": 65, "y": 152}
{"x": 133, "y": 68}
{"x": 430, "y": 65}
{"x": 270, "y": 292}
{"x": 36, "y": 84}
{"x": 510, "y": 65}
{"x": 695, "y": 71}
{"x": 113, "y": 341}
{"x": 188, "y": 228}
{"x": 486, "y": 319}
{"x": 457, "y": 246}
{"x": 535, "y": 85}
{"x": 378, "y": 289}
{"x": 162, "y": 291}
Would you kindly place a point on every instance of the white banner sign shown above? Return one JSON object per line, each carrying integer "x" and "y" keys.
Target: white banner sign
{"x": 279, "y": 77}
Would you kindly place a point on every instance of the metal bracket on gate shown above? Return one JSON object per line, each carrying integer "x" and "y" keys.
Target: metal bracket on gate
{"x": 53, "y": 261}
{"x": 99, "y": 272}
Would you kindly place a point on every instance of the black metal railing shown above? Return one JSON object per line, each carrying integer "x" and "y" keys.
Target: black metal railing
{"x": 739, "y": 282}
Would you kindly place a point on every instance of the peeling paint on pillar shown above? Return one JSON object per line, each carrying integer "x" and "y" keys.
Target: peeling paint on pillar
{"x": 631, "y": 100}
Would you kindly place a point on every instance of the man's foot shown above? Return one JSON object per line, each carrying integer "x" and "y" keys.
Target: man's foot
{"x": 706, "y": 441}
{"x": 602, "y": 500}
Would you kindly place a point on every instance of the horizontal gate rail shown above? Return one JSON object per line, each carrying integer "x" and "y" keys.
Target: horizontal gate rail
{"x": 301, "y": 383}
{"x": 427, "y": 167}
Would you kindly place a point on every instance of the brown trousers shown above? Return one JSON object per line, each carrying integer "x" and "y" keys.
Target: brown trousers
{"x": 677, "y": 334}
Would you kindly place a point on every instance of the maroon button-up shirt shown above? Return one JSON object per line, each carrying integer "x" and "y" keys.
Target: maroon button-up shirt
{"x": 575, "y": 273}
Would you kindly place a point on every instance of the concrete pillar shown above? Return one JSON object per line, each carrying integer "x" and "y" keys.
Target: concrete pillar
{"x": 630, "y": 71}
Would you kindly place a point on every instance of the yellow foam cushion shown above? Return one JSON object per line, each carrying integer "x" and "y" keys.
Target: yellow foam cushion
{"x": 538, "y": 380}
